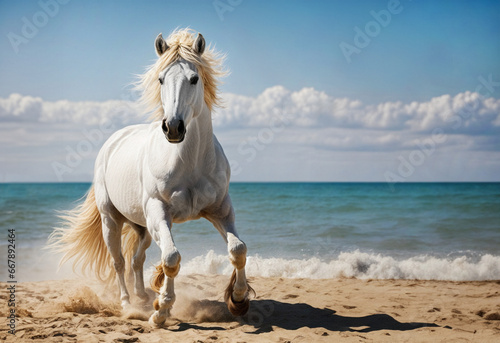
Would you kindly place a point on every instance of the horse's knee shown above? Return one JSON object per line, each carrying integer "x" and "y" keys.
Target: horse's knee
{"x": 172, "y": 263}
{"x": 237, "y": 253}
{"x": 120, "y": 265}
{"x": 140, "y": 255}
{"x": 138, "y": 262}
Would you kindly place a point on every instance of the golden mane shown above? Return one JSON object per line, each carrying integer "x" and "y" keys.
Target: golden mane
{"x": 209, "y": 65}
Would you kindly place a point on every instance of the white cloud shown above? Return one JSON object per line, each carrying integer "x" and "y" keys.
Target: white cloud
{"x": 18, "y": 108}
{"x": 278, "y": 127}
{"x": 464, "y": 113}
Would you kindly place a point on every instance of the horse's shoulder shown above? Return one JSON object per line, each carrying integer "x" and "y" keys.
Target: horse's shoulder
{"x": 127, "y": 132}
{"x": 219, "y": 151}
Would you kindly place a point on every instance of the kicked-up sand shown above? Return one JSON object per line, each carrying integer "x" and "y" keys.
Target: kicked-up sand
{"x": 285, "y": 310}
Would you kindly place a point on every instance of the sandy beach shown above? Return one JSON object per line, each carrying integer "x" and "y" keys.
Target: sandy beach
{"x": 285, "y": 310}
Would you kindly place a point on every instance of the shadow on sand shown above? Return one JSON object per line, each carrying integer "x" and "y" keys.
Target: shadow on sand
{"x": 264, "y": 314}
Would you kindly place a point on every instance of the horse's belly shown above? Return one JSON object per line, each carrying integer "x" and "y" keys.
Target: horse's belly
{"x": 122, "y": 175}
{"x": 125, "y": 192}
{"x": 128, "y": 203}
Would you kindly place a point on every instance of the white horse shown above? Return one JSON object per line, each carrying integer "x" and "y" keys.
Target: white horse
{"x": 148, "y": 177}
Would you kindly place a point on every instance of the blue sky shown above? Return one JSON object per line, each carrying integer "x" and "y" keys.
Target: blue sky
{"x": 89, "y": 51}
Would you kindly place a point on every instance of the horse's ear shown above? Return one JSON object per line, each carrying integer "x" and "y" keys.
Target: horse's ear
{"x": 199, "y": 44}
{"x": 160, "y": 45}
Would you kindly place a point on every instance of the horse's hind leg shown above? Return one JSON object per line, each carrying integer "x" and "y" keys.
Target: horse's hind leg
{"x": 112, "y": 231}
{"x": 138, "y": 260}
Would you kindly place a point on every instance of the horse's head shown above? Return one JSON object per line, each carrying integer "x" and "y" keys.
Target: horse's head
{"x": 181, "y": 91}
{"x": 182, "y": 83}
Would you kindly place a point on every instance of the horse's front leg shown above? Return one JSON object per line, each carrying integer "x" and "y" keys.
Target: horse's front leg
{"x": 160, "y": 223}
{"x": 237, "y": 292}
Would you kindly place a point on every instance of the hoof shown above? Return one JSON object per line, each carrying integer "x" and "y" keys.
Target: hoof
{"x": 156, "y": 320}
{"x": 238, "y": 308}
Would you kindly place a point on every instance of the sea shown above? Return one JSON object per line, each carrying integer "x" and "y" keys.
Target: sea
{"x": 425, "y": 231}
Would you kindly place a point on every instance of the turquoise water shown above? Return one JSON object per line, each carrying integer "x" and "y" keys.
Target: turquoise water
{"x": 419, "y": 230}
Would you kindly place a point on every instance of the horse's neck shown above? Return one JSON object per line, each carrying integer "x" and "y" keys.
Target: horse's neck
{"x": 198, "y": 146}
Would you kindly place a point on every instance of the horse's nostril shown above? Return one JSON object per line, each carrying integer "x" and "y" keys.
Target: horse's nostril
{"x": 164, "y": 126}
{"x": 181, "y": 128}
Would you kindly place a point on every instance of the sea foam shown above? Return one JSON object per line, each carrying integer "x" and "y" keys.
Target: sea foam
{"x": 355, "y": 264}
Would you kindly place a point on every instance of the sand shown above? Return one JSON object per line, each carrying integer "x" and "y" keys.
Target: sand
{"x": 285, "y": 310}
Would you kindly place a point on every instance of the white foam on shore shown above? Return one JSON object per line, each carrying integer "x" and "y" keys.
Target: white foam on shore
{"x": 355, "y": 264}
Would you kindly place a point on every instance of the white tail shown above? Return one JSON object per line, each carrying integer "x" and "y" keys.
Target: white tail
{"x": 81, "y": 238}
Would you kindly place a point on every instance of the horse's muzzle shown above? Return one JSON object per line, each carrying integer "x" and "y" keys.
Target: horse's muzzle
{"x": 174, "y": 130}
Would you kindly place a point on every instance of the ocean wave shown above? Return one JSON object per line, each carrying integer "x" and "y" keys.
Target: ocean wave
{"x": 355, "y": 264}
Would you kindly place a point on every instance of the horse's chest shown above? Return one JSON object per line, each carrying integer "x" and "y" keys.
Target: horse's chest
{"x": 187, "y": 203}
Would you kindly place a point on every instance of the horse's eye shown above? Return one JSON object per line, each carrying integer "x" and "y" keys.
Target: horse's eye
{"x": 194, "y": 79}
{"x": 161, "y": 80}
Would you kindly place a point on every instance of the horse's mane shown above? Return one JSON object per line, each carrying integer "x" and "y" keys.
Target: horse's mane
{"x": 209, "y": 66}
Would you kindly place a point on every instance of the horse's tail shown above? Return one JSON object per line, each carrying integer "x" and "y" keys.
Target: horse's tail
{"x": 81, "y": 238}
